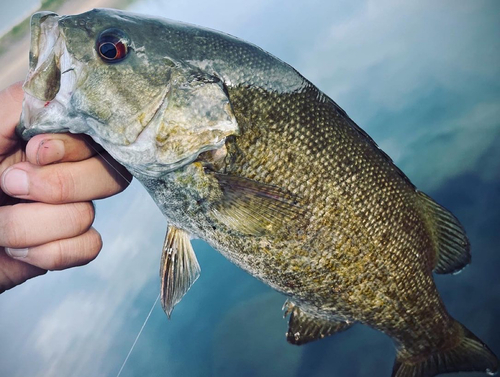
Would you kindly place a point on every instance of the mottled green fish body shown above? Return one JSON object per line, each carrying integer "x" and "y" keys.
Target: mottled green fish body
{"x": 237, "y": 148}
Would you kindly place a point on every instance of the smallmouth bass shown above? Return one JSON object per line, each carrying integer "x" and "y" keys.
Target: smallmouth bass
{"x": 238, "y": 149}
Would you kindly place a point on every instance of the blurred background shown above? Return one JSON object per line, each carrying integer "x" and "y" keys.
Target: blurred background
{"x": 422, "y": 78}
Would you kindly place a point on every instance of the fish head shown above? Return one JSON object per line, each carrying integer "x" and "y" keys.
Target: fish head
{"x": 117, "y": 77}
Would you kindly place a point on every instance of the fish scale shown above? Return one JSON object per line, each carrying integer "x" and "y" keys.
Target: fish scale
{"x": 237, "y": 148}
{"x": 337, "y": 182}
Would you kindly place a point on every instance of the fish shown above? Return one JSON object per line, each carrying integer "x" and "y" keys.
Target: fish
{"x": 239, "y": 149}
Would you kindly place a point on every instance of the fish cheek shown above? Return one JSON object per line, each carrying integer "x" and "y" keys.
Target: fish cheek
{"x": 122, "y": 97}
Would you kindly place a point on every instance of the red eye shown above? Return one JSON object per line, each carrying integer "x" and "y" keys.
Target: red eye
{"x": 112, "y": 45}
{"x": 112, "y": 51}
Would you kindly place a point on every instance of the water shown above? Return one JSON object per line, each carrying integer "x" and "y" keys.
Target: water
{"x": 13, "y": 12}
{"x": 423, "y": 79}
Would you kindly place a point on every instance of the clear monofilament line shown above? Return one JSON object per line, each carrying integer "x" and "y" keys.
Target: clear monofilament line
{"x": 158, "y": 297}
{"x": 109, "y": 163}
{"x": 138, "y": 335}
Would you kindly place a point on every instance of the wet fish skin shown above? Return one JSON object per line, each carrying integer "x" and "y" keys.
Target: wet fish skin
{"x": 290, "y": 188}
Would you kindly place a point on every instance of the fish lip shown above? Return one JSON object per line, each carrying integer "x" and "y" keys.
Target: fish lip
{"x": 36, "y": 31}
{"x": 44, "y": 51}
{"x": 47, "y": 52}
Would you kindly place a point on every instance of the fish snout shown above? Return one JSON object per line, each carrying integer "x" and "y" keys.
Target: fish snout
{"x": 44, "y": 76}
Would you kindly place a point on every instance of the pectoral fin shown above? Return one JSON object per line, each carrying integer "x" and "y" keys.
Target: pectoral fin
{"x": 179, "y": 268}
{"x": 253, "y": 207}
{"x": 303, "y": 328}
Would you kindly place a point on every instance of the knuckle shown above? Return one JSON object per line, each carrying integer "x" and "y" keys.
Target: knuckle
{"x": 94, "y": 245}
{"x": 62, "y": 185}
{"x": 13, "y": 232}
{"x": 81, "y": 216}
{"x": 58, "y": 259}
{"x": 75, "y": 252}
{"x": 87, "y": 212}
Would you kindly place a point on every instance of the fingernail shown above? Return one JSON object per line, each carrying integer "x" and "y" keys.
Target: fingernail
{"x": 50, "y": 151}
{"x": 17, "y": 253}
{"x": 15, "y": 182}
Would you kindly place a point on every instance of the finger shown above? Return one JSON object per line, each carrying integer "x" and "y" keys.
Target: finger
{"x": 30, "y": 224}
{"x": 11, "y": 100}
{"x": 49, "y": 148}
{"x": 61, "y": 254}
{"x": 94, "y": 178}
{"x": 14, "y": 272}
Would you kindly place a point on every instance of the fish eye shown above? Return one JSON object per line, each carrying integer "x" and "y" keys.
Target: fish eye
{"x": 112, "y": 45}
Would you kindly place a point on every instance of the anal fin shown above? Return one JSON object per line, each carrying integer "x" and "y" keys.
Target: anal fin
{"x": 304, "y": 328}
{"x": 453, "y": 248}
{"x": 179, "y": 268}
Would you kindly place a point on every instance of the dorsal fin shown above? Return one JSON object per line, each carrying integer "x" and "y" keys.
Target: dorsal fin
{"x": 179, "y": 268}
{"x": 304, "y": 328}
{"x": 453, "y": 248}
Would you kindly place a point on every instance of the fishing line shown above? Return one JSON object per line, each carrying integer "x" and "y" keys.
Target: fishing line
{"x": 138, "y": 335}
{"x": 109, "y": 163}
{"x": 158, "y": 297}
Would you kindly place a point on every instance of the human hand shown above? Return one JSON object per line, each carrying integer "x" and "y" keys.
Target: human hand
{"x": 46, "y": 190}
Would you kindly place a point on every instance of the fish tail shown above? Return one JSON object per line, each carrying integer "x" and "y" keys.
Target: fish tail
{"x": 469, "y": 354}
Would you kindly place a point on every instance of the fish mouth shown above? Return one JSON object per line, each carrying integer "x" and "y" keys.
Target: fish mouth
{"x": 51, "y": 78}
{"x": 44, "y": 76}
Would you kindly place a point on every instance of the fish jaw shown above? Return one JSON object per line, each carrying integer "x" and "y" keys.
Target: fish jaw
{"x": 50, "y": 83}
